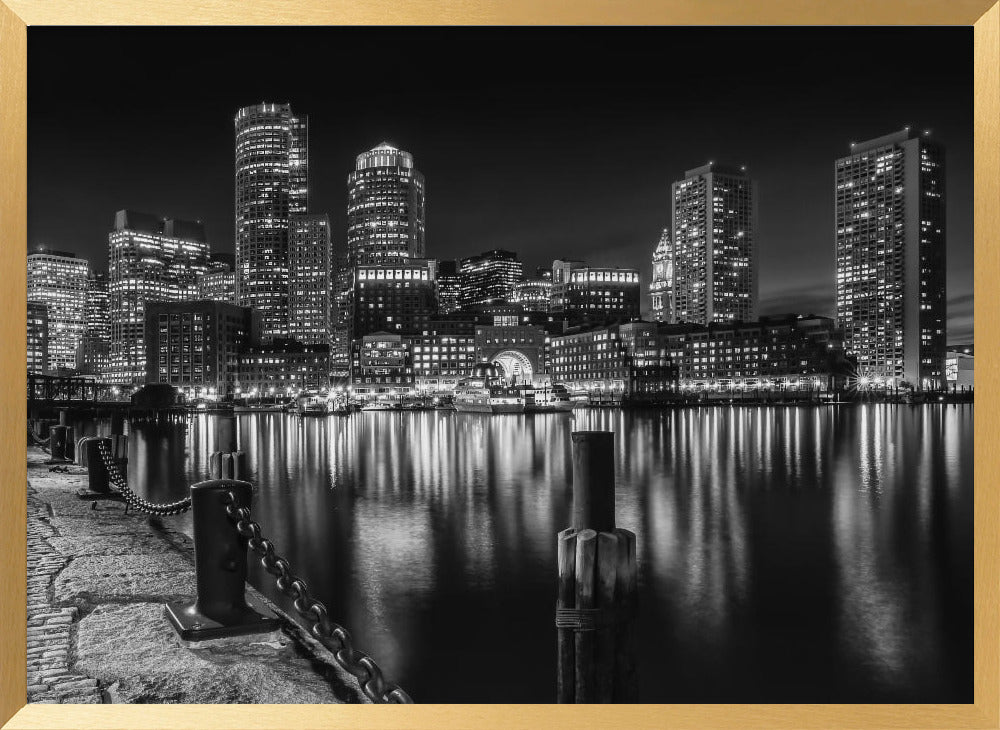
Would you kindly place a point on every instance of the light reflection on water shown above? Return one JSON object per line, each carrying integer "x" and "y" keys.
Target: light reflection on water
{"x": 785, "y": 554}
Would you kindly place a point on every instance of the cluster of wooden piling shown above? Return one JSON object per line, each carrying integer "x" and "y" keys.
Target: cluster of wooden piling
{"x": 596, "y": 602}
{"x": 227, "y": 462}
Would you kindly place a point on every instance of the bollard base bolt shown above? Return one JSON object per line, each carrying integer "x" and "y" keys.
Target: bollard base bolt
{"x": 192, "y": 625}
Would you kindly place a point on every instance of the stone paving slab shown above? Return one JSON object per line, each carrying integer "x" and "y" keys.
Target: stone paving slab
{"x": 97, "y": 581}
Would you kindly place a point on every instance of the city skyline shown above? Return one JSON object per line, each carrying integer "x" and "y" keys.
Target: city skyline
{"x": 602, "y": 218}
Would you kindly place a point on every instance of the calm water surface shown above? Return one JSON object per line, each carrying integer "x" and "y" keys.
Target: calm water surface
{"x": 785, "y": 554}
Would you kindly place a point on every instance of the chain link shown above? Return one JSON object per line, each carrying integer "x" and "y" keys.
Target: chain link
{"x": 132, "y": 499}
{"x": 331, "y": 635}
{"x": 40, "y": 443}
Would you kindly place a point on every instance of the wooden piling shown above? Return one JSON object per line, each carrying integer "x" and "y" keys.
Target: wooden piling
{"x": 626, "y": 590}
{"x": 566, "y": 672}
{"x": 594, "y": 480}
{"x": 596, "y": 598}
{"x": 225, "y": 434}
{"x": 604, "y": 637}
{"x": 228, "y": 465}
{"x": 586, "y": 675}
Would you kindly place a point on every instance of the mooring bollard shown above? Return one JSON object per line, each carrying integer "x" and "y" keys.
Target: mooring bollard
{"x": 97, "y": 472}
{"x": 227, "y": 462}
{"x": 57, "y": 442}
{"x": 220, "y": 553}
{"x": 596, "y": 599}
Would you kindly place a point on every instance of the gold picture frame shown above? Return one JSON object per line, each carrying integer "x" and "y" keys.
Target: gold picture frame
{"x": 16, "y": 15}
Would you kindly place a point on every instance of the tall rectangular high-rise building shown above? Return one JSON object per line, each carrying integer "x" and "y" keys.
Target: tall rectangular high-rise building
{"x": 714, "y": 215}
{"x": 59, "y": 281}
{"x": 150, "y": 259}
{"x": 37, "y": 339}
{"x": 490, "y": 277}
{"x": 449, "y": 284}
{"x": 890, "y": 245}
{"x": 94, "y": 351}
{"x": 309, "y": 279}
{"x": 272, "y": 183}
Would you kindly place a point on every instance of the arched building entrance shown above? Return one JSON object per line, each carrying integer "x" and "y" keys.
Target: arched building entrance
{"x": 515, "y": 366}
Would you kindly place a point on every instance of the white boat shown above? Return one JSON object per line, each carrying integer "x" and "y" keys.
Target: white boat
{"x": 380, "y": 407}
{"x": 311, "y": 405}
{"x": 486, "y": 392}
{"x": 548, "y": 398}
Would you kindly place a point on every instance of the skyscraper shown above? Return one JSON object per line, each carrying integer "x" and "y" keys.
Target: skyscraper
{"x": 714, "y": 214}
{"x": 59, "y": 281}
{"x": 37, "y": 337}
{"x": 490, "y": 277}
{"x": 661, "y": 289}
{"x": 309, "y": 279}
{"x": 94, "y": 351}
{"x": 218, "y": 285}
{"x": 97, "y": 315}
{"x": 272, "y": 183}
{"x": 385, "y": 206}
{"x": 150, "y": 259}
{"x": 890, "y": 241}
{"x": 449, "y": 284}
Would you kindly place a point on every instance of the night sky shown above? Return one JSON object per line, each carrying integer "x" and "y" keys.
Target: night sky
{"x": 548, "y": 142}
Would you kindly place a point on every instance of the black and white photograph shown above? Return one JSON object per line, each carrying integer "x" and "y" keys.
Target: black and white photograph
{"x": 500, "y": 365}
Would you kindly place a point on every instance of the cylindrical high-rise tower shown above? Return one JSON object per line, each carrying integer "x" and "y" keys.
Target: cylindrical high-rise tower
{"x": 385, "y": 206}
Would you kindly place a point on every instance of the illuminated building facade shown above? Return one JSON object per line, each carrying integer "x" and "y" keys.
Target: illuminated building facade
{"x": 385, "y": 206}
{"x": 309, "y": 279}
{"x": 616, "y": 361}
{"x": 714, "y": 214}
{"x": 890, "y": 247}
{"x": 661, "y": 288}
{"x": 517, "y": 350}
{"x": 789, "y": 352}
{"x": 93, "y": 354}
{"x": 960, "y": 366}
{"x": 594, "y": 294}
{"x": 382, "y": 367}
{"x": 150, "y": 259}
{"x": 397, "y": 296}
{"x": 442, "y": 356}
{"x": 38, "y": 337}
{"x": 533, "y": 294}
{"x": 340, "y": 315}
{"x": 449, "y": 287}
{"x": 490, "y": 277}
{"x": 218, "y": 285}
{"x": 59, "y": 281}
{"x": 272, "y": 183}
{"x": 196, "y": 346}
{"x": 282, "y": 368}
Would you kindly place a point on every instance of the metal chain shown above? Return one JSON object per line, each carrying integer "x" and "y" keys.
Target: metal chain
{"x": 40, "y": 443}
{"x": 134, "y": 500}
{"x": 333, "y": 636}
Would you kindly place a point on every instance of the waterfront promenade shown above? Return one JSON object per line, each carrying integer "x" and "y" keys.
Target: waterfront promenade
{"x": 97, "y": 582}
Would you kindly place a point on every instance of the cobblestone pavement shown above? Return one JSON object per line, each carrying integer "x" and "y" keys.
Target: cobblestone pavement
{"x": 50, "y": 628}
{"x": 98, "y": 579}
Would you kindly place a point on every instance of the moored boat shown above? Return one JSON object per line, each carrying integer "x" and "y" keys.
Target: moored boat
{"x": 486, "y": 392}
{"x": 548, "y": 398}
